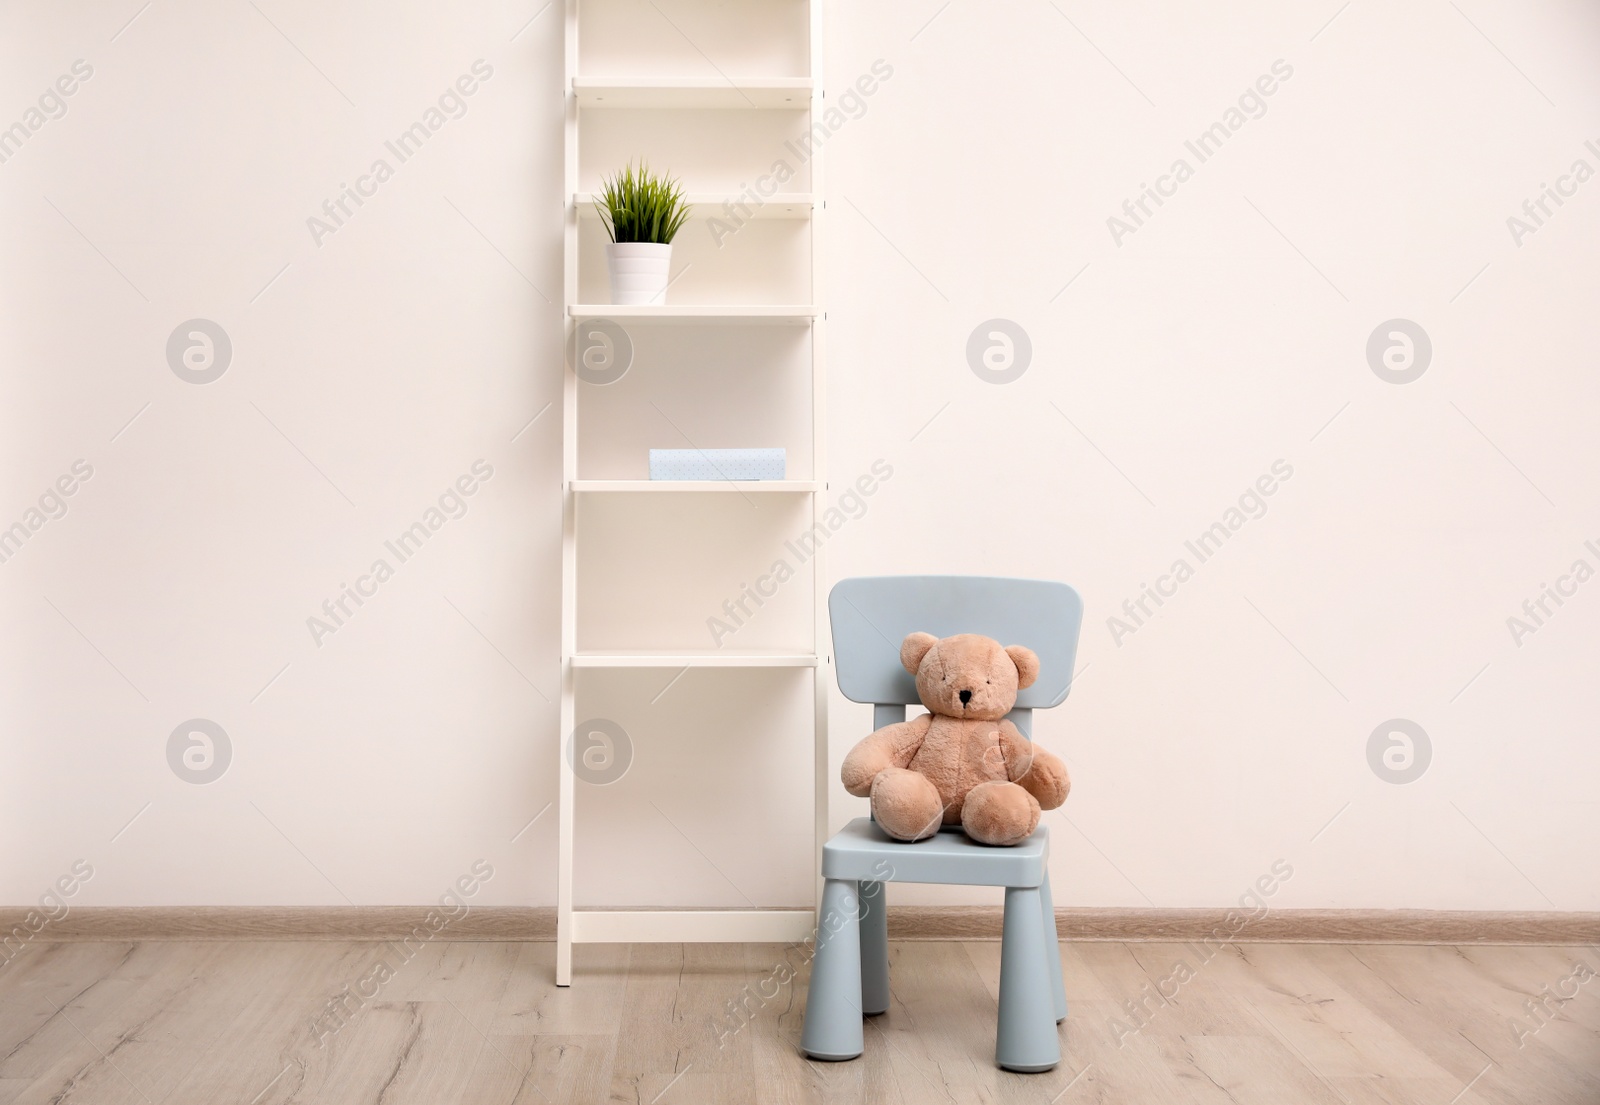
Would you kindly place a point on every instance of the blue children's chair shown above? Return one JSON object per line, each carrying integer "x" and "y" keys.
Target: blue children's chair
{"x": 850, "y": 972}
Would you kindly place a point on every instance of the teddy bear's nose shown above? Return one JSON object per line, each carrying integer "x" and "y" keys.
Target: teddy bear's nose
{"x": 966, "y": 697}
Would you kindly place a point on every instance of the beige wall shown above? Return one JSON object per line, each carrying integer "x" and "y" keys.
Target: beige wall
{"x": 1176, "y": 359}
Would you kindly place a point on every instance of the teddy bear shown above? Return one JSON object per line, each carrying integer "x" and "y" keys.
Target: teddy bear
{"x": 961, "y": 763}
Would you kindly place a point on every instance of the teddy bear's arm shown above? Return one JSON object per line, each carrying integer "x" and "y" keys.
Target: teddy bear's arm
{"x": 1034, "y": 768}
{"x": 891, "y": 746}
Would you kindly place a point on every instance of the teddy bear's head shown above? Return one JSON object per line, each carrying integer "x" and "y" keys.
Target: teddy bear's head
{"x": 968, "y": 676}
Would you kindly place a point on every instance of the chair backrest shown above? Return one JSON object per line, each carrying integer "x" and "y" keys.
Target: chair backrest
{"x": 871, "y": 615}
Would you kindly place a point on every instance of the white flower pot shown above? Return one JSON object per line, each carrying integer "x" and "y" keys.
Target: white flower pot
{"x": 638, "y": 271}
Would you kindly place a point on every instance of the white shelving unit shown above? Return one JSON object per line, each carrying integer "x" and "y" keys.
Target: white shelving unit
{"x": 608, "y": 99}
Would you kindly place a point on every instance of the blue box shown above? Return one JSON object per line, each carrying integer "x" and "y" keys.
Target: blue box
{"x": 716, "y": 464}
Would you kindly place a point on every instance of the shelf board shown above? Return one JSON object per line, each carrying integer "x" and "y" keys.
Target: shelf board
{"x": 692, "y": 926}
{"x": 777, "y": 314}
{"x": 699, "y": 487}
{"x": 783, "y": 93}
{"x": 693, "y": 658}
{"x": 783, "y": 205}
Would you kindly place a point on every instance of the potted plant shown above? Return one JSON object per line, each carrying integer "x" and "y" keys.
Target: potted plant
{"x": 642, "y": 213}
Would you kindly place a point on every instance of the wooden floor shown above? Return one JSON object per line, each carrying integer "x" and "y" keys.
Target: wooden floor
{"x": 248, "y": 1023}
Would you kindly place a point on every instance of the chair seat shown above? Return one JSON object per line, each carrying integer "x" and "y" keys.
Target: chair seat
{"x": 863, "y": 852}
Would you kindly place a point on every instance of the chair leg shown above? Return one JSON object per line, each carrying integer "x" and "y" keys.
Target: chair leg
{"x": 874, "y": 949}
{"x": 1052, "y": 944}
{"x": 1026, "y": 1039}
{"x": 833, "y": 1003}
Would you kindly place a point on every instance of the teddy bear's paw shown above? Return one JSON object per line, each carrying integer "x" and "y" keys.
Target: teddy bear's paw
{"x": 1049, "y": 782}
{"x": 905, "y": 804}
{"x": 999, "y": 813}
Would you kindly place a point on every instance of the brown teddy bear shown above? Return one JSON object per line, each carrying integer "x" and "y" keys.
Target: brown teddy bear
{"x": 961, "y": 763}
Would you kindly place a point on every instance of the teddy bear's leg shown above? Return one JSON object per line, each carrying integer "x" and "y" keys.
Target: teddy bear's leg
{"x": 999, "y": 813}
{"x": 905, "y": 804}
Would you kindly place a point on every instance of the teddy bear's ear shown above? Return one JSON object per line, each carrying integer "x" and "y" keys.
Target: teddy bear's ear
{"x": 1027, "y": 664}
{"x": 914, "y": 648}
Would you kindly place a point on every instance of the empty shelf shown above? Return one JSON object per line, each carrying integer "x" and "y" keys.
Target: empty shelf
{"x": 792, "y": 93}
{"x": 791, "y": 487}
{"x": 693, "y": 658}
